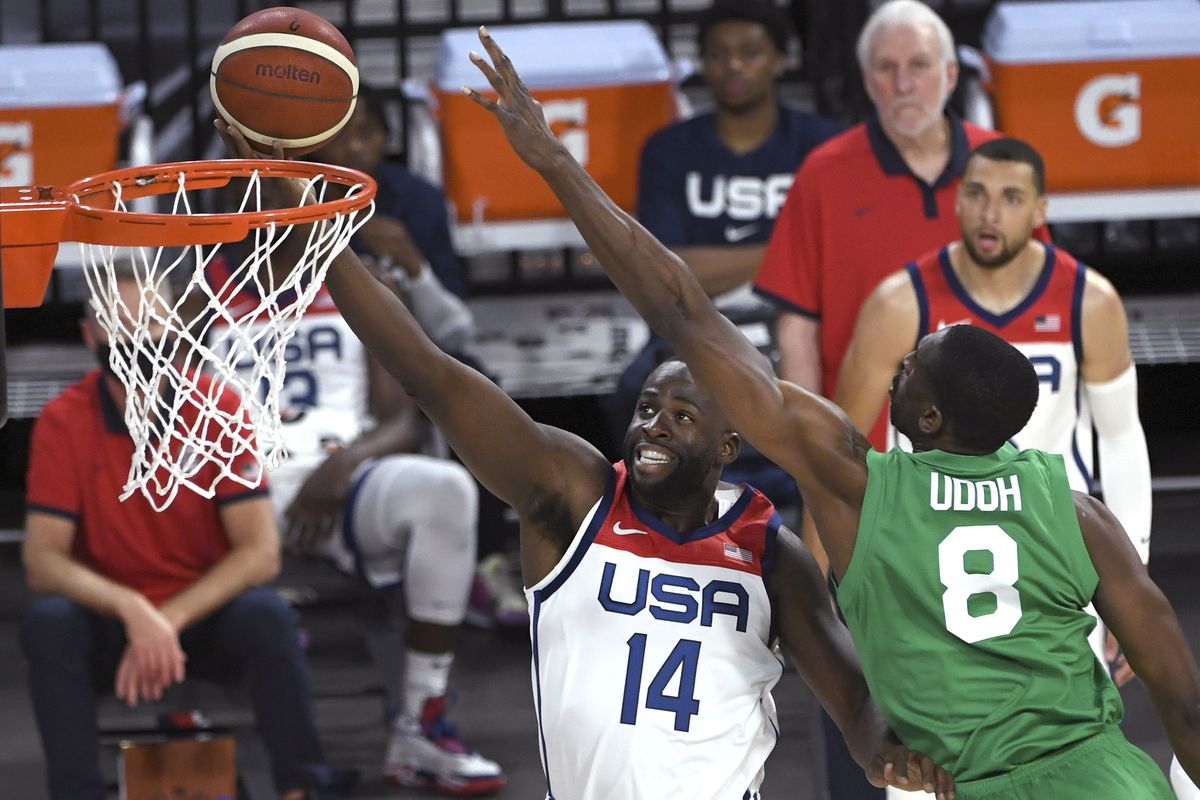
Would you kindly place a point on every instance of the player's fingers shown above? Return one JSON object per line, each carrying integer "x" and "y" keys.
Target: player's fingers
{"x": 486, "y": 102}
{"x": 235, "y": 142}
{"x": 277, "y": 150}
{"x": 483, "y": 66}
{"x": 928, "y": 774}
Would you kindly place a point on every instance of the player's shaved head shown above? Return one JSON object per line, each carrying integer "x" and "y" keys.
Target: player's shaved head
{"x": 985, "y": 388}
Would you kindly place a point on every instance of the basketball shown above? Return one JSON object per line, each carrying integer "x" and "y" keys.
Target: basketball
{"x": 286, "y": 74}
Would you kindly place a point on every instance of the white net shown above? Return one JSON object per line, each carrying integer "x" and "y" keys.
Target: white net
{"x": 185, "y": 340}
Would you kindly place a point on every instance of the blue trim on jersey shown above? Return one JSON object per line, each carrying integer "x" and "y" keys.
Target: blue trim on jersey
{"x": 1077, "y": 345}
{"x": 997, "y": 320}
{"x": 348, "y": 536}
{"x": 537, "y": 680}
{"x": 260, "y": 491}
{"x": 589, "y": 536}
{"x": 718, "y": 525}
{"x": 918, "y": 283}
{"x": 51, "y": 510}
{"x": 892, "y": 163}
{"x": 1075, "y": 453}
{"x": 770, "y": 545}
{"x": 1077, "y": 312}
{"x": 785, "y": 304}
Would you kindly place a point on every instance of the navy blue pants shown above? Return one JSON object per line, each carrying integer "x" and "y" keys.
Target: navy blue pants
{"x": 73, "y": 654}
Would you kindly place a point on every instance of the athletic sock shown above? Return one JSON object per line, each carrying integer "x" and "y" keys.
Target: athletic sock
{"x": 426, "y": 675}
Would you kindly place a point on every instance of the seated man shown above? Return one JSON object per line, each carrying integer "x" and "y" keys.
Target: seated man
{"x": 710, "y": 187}
{"x": 409, "y": 237}
{"x": 357, "y": 488}
{"x": 146, "y": 598}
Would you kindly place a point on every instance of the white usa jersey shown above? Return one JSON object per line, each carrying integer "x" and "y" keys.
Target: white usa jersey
{"x": 1045, "y": 326}
{"x": 323, "y": 401}
{"x": 652, "y": 658}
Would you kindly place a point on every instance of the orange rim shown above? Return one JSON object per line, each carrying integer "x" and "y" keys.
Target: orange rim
{"x": 101, "y": 224}
{"x": 35, "y": 219}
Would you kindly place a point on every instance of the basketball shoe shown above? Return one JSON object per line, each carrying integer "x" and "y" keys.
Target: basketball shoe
{"x": 431, "y": 755}
{"x": 496, "y": 596}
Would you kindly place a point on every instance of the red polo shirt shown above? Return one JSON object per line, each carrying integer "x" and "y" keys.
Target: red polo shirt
{"x": 855, "y": 214}
{"x": 79, "y": 461}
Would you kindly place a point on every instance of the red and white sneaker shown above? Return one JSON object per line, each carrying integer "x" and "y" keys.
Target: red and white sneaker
{"x": 433, "y": 756}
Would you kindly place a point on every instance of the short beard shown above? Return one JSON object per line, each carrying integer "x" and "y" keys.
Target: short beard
{"x": 1002, "y": 259}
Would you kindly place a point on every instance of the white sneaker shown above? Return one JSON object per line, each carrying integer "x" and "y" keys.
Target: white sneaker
{"x": 433, "y": 756}
{"x": 496, "y": 596}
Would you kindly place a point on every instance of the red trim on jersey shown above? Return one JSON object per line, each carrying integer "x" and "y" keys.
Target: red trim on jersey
{"x": 739, "y": 534}
{"x": 78, "y": 464}
{"x": 1046, "y": 314}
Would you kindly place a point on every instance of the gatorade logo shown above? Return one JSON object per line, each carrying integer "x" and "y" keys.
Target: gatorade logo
{"x": 1107, "y": 111}
{"x": 567, "y": 119}
{"x": 16, "y": 153}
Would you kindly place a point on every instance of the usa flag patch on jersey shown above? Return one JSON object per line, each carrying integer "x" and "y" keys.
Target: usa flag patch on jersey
{"x": 1047, "y": 323}
{"x": 738, "y": 553}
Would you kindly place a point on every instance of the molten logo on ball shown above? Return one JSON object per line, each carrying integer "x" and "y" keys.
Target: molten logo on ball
{"x": 288, "y": 71}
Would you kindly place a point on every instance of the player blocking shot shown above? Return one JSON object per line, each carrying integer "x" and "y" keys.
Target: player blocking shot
{"x": 656, "y": 589}
{"x": 986, "y": 550}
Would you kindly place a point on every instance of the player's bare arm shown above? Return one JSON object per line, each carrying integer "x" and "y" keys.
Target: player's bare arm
{"x": 885, "y": 332}
{"x": 1135, "y": 609}
{"x": 806, "y": 435}
{"x": 550, "y": 477}
{"x": 1105, "y": 331}
{"x": 820, "y": 647}
{"x": 722, "y": 268}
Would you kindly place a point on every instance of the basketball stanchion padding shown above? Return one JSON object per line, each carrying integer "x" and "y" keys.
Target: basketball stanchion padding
{"x": 171, "y": 413}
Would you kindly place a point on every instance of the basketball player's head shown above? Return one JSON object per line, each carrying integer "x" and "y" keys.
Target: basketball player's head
{"x": 963, "y": 389}
{"x": 678, "y": 441}
{"x": 1001, "y": 200}
{"x": 743, "y": 51}
{"x": 906, "y": 55}
{"x": 359, "y": 145}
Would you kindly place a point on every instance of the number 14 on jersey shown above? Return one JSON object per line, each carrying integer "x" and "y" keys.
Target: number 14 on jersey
{"x": 683, "y": 659}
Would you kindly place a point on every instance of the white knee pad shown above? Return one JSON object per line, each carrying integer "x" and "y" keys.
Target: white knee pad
{"x": 413, "y": 517}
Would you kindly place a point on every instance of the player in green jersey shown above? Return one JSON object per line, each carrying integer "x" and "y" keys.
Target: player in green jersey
{"x": 965, "y": 566}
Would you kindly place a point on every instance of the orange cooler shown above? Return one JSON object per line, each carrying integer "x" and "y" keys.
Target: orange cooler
{"x": 604, "y": 87}
{"x": 1107, "y": 91}
{"x": 59, "y": 112}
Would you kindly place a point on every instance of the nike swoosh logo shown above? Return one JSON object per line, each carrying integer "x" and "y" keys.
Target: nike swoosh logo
{"x": 619, "y": 531}
{"x": 943, "y": 324}
{"x": 735, "y": 233}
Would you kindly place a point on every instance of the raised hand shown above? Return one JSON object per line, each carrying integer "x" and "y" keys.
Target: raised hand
{"x": 518, "y": 113}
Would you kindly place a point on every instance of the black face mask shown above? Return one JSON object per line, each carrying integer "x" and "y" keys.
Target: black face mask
{"x": 144, "y": 363}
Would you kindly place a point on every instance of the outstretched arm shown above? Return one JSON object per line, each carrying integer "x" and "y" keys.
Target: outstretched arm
{"x": 820, "y": 647}
{"x": 550, "y": 477}
{"x": 806, "y": 435}
{"x": 1143, "y": 621}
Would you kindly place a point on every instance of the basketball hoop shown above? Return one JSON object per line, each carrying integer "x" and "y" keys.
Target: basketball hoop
{"x": 179, "y": 429}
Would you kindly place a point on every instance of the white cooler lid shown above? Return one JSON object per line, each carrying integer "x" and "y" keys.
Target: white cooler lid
{"x": 75, "y": 74}
{"x": 564, "y": 54}
{"x": 1099, "y": 30}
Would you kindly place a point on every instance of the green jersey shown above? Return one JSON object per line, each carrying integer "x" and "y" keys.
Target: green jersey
{"x": 965, "y": 597}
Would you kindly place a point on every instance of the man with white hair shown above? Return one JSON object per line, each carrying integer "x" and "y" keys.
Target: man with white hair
{"x": 863, "y": 204}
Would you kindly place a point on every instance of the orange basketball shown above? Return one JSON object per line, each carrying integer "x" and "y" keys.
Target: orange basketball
{"x": 287, "y": 74}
